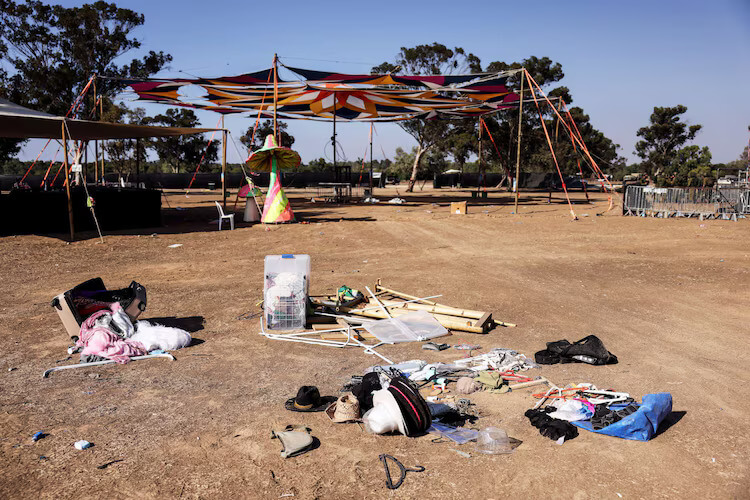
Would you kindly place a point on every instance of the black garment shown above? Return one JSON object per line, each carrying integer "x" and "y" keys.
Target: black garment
{"x": 363, "y": 391}
{"x": 589, "y": 350}
{"x": 552, "y": 428}
{"x": 604, "y": 417}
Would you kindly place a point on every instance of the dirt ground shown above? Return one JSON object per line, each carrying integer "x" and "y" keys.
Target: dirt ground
{"x": 668, "y": 297}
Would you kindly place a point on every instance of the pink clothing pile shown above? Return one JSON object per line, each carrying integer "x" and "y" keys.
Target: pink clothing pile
{"x": 101, "y": 341}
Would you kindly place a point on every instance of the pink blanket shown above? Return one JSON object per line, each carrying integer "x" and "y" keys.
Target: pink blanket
{"x": 101, "y": 341}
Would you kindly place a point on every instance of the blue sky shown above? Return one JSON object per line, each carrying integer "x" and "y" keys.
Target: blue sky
{"x": 620, "y": 58}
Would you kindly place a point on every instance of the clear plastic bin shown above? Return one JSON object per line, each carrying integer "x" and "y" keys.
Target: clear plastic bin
{"x": 285, "y": 291}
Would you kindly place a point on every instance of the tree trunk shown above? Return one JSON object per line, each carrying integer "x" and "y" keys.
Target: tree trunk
{"x": 415, "y": 168}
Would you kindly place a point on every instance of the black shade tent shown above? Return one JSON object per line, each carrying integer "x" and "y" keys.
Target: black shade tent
{"x": 18, "y": 122}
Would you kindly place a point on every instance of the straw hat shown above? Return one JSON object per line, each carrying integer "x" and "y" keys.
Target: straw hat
{"x": 285, "y": 157}
{"x": 345, "y": 409}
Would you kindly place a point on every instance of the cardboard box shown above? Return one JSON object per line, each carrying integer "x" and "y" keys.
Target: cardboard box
{"x": 458, "y": 207}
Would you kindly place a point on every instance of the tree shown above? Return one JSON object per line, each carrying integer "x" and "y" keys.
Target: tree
{"x": 432, "y": 59}
{"x": 691, "y": 166}
{"x": 125, "y": 154}
{"x": 55, "y": 50}
{"x": 52, "y": 52}
{"x": 663, "y": 138}
{"x": 265, "y": 127}
{"x": 180, "y": 151}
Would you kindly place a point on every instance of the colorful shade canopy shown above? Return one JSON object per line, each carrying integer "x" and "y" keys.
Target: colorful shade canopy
{"x": 322, "y": 95}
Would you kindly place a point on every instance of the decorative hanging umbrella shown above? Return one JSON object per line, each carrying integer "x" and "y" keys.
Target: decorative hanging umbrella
{"x": 276, "y": 208}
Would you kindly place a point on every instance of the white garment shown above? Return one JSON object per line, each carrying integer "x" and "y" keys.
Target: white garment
{"x": 154, "y": 336}
{"x": 572, "y": 411}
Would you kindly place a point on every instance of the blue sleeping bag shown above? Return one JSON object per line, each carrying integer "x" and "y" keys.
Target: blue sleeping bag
{"x": 641, "y": 425}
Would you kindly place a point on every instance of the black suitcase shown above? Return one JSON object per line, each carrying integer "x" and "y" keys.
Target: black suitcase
{"x": 83, "y": 300}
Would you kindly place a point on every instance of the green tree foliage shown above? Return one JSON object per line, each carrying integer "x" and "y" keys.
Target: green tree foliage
{"x": 459, "y": 138}
{"x": 535, "y": 152}
{"x": 124, "y": 155}
{"x": 52, "y": 51}
{"x": 183, "y": 153}
{"x": 265, "y": 128}
{"x": 434, "y": 59}
{"x": 663, "y": 138}
{"x": 690, "y": 166}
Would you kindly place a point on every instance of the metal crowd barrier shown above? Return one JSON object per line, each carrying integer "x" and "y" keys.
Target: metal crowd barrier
{"x": 704, "y": 203}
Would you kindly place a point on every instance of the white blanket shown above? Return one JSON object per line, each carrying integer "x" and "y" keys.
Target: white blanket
{"x": 154, "y": 336}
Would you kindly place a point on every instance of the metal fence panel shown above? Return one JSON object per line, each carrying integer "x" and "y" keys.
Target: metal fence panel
{"x": 647, "y": 201}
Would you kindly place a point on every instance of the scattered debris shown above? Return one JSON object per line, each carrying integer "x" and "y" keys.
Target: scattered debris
{"x": 104, "y": 466}
{"x": 82, "y": 444}
{"x": 295, "y": 440}
{"x": 402, "y": 471}
{"x": 459, "y": 452}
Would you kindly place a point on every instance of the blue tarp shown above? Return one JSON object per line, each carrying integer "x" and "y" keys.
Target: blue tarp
{"x": 641, "y": 425}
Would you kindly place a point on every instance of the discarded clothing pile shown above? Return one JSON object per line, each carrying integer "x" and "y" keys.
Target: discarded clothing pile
{"x": 553, "y": 428}
{"x": 589, "y": 350}
{"x": 497, "y": 359}
{"x": 109, "y": 333}
{"x": 384, "y": 403}
{"x": 634, "y": 421}
{"x": 606, "y": 412}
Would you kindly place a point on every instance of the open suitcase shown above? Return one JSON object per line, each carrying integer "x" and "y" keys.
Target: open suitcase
{"x": 83, "y": 300}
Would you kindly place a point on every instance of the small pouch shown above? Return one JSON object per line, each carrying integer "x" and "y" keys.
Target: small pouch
{"x": 295, "y": 440}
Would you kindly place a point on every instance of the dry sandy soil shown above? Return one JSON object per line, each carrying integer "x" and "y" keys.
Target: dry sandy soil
{"x": 668, "y": 297}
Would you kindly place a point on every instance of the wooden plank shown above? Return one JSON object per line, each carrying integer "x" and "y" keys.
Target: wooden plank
{"x": 485, "y": 322}
{"x": 360, "y": 335}
{"x": 323, "y": 326}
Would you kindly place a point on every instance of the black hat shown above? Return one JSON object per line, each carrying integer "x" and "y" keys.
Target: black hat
{"x": 413, "y": 407}
{"x": 308, "y": 399}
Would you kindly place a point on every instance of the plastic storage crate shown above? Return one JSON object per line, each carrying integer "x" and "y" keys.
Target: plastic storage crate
{"x": 285, "y": 291}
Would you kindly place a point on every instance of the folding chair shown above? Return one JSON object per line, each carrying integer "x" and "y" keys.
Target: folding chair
{"x": 222, "y": 216}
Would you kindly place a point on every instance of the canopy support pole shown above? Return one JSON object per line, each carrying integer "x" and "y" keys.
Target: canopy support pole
{"x": 67, "y": 181}
{"x": 480, "y": 181}
{"x": 333, "y": 139}
{"x": 96, "y": 142}
{"x": 101, "y": 115}
{"x": 224, "y": 163}
{"x": 275, "y": 97}
{"x": 371, "y": 125}
{"x": 518, "y": 146}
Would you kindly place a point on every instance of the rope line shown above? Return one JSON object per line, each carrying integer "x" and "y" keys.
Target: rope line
{"x": 552, "y": 150}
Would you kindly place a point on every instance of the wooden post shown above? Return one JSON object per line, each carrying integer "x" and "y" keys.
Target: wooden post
{"x": 224, "y": 164}
{"x": 333, "y": 139}
{"x": 481, "y": 169}
{"x": 518, "y": 146}
{"x": 371, "y": 125}
{"x": 67, "y": 181}
{"x": 275, "y": 97}
{"x": 101, "y": 115}
{"x": 96, "y": 142}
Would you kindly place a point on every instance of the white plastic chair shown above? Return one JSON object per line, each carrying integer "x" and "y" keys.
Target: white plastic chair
{"x": 223, "y": 216}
